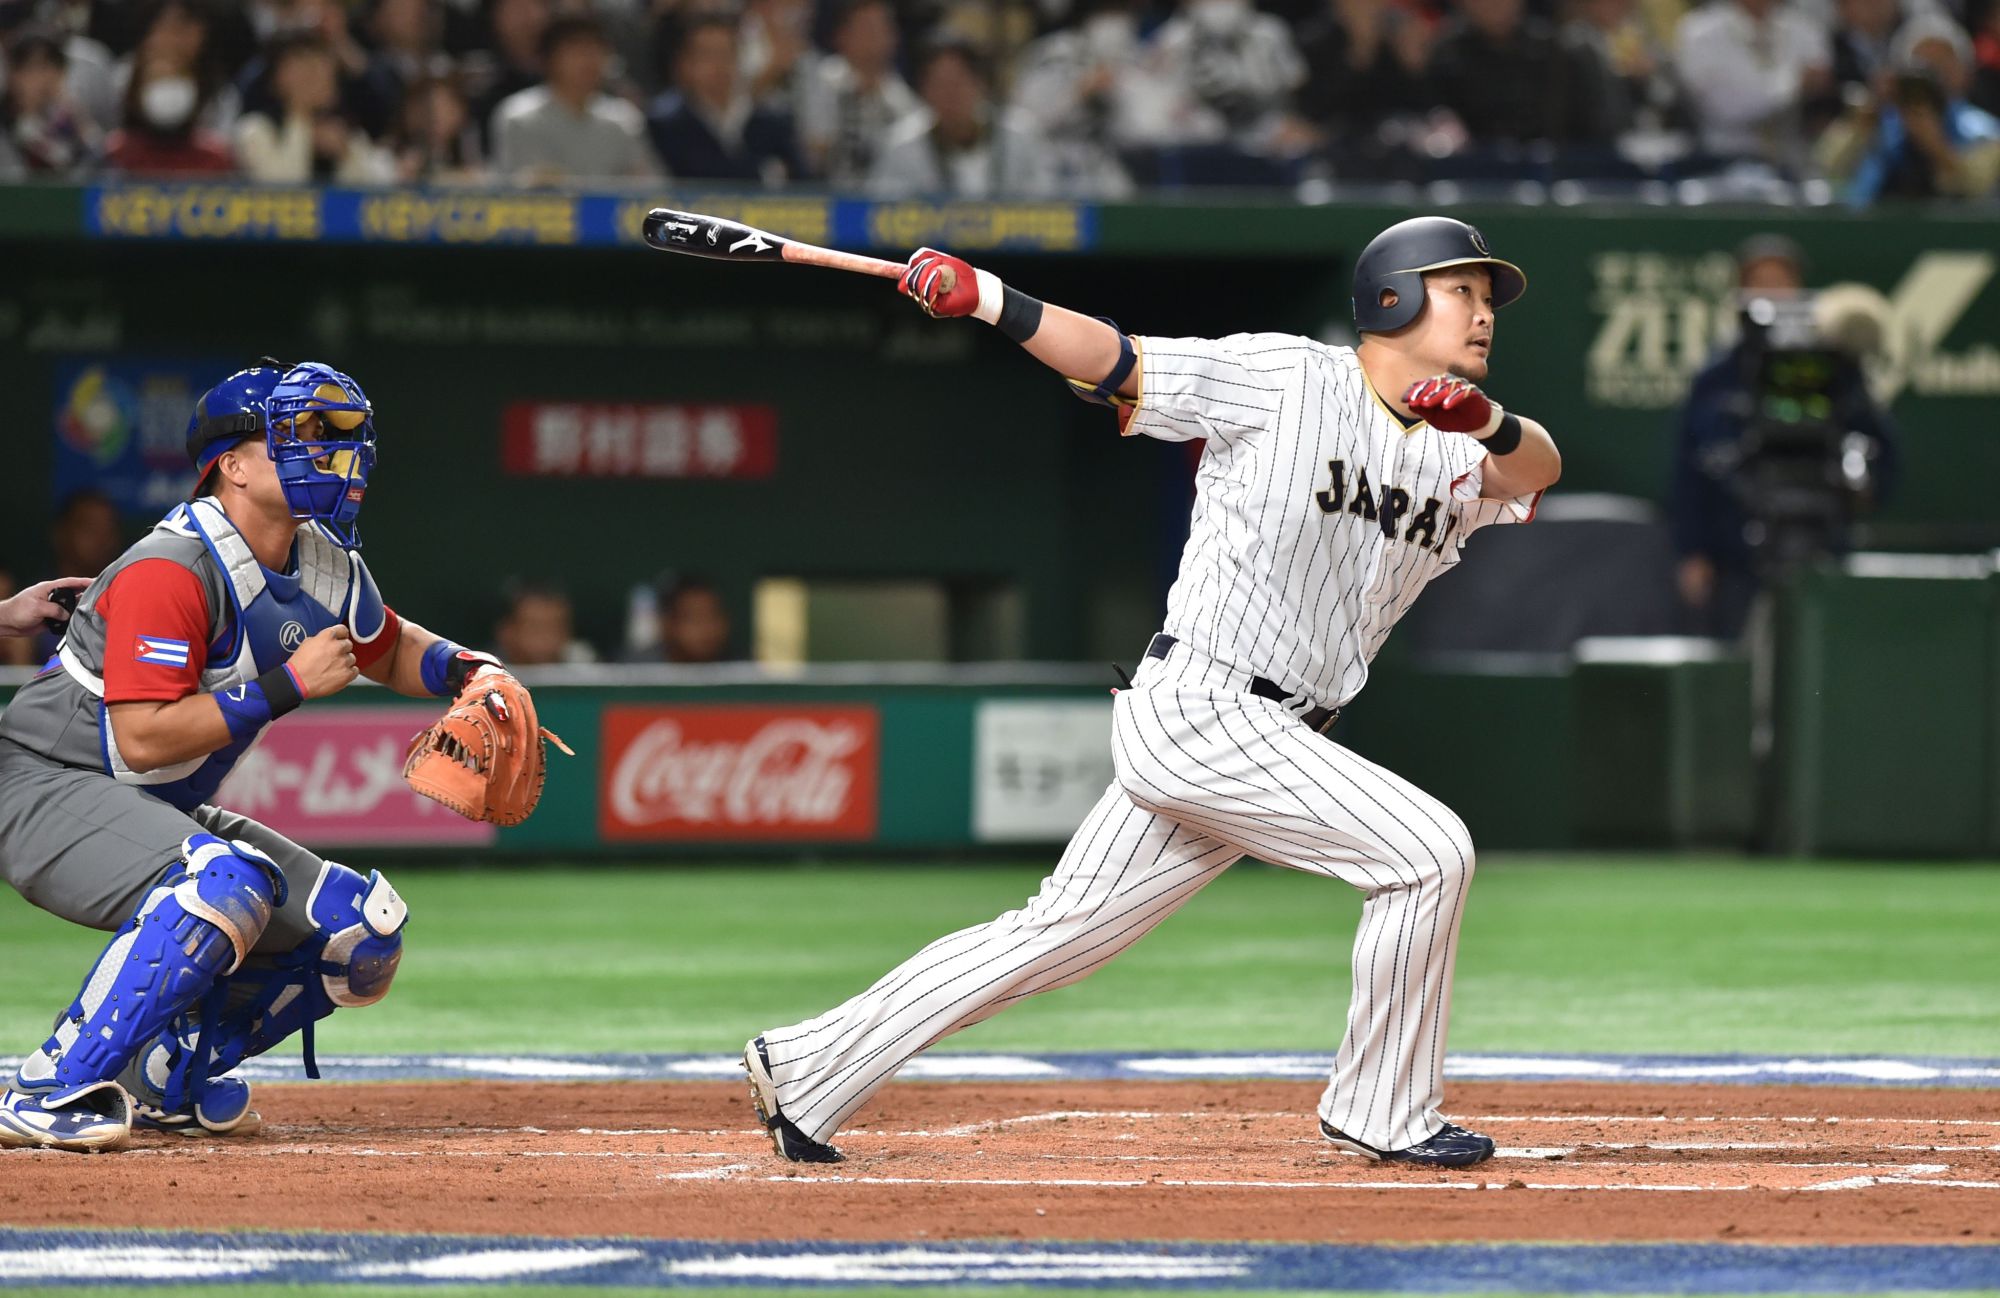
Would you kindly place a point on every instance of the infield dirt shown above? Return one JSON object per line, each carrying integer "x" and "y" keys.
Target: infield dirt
{"x": 1055, "y": 1160}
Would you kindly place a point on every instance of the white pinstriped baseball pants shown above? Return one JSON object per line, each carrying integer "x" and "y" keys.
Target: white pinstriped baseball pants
{"x": 1207, "y": 773}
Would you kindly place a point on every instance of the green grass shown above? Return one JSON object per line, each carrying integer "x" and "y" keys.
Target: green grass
{"x": 1626, "y": 955}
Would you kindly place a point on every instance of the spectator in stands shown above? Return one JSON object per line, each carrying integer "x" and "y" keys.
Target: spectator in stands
{"x": 406, "y": 38}
{"x": 1505, "y": 76}
{"x": 181, "y": 38}
{"x": 270, "y": 19}
{"x": 775, "y": 53}
{"x": 1861, "y": 40}
{"x": 1367, "y": 61}
{"x": 852, "y": 99}
{"x": 1716, "y": 571}
{"x": 43, "y": 134}
{"x": 537, "y": 629}
{"x": 304, "y": 137}
{"x": 708, "y": 127}
{"x": 90, "y": 82}
{"x": 1232, "y": 71}
{"x": 1625, "y": 72}
{"x": 959, "y": 144}
{"x": 568, "y": 128}
{"x": 1076, "y": 87}
{"x": 435, "y": 139}
{"x": 509, "y": 60}
{"x": 171, "y": 91}
{"x": 86, "y": 533}
{"x": 1749, "y": 67}
{"x": 694, "y": 626}
{"x": 1917, "y": 137}
{"x": 85, "y": 536}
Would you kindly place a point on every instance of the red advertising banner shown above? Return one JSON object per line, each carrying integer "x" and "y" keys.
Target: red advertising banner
{"x": 334, "y": 777}
{"x": 595, "y": 439}
{"x": 744, "y": 774}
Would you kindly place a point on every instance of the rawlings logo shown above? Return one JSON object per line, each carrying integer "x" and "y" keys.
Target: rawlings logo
{"x": 1479, "y": 241}
{"x": 739, "y": 773}
{"x": 291, "y": 635}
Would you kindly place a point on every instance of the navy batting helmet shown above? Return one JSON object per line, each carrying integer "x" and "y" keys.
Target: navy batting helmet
{"x": 1397, "y": 258}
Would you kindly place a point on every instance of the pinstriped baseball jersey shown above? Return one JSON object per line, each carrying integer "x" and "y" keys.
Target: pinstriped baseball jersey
{"x": 1318, "y": 519}
{"x": 1319, "y": 516}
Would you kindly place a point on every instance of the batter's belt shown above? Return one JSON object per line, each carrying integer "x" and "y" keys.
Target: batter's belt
{"x": 1316, "y": 718}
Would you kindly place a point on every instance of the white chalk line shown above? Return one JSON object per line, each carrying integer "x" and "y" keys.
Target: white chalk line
{"x": 1525, "y": 1154}
{"x": 1168, "y": 1183}
{"x": 994, "y": 1124}
{"x": 1066, "y": 1115}
{"x": 723, "y": 1173}
{"x": 1874, "y": 1174}
{"x": 1881, "y": 1174}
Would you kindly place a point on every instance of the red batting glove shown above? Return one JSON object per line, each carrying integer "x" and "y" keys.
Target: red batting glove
{"x": 941, "y": 284}
{"x": 1453, "y": 405}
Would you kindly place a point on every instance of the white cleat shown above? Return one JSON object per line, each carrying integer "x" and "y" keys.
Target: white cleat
{"x": 95, "y": 1118}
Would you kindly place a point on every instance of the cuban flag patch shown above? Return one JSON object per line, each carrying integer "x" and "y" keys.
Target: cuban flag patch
{"x": 162, "y": 652}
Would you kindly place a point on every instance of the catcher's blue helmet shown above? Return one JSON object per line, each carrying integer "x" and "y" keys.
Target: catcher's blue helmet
{"x": 1397, "y": 258}
{"x": 229, "y": 412}
{"x": 317, "y": 426}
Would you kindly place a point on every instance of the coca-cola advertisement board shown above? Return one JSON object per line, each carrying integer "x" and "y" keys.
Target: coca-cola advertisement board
{"x": 334, "y": 777}
{"x": 739, "y": 773}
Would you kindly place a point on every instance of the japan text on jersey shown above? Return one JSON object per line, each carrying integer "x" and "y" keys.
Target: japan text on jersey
{"x": 1319, "y": 515}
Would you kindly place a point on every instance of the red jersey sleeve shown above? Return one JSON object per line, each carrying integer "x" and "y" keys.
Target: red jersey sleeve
{"x": 155, "y": 633}
{"x": 367, "y": 654}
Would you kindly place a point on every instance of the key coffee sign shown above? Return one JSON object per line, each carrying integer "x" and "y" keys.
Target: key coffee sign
{"x": 739, "y": 774}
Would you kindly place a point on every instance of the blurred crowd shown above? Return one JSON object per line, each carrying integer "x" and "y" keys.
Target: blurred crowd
{"x": 674, "y": 617}
{"x": 1006, "y": 98}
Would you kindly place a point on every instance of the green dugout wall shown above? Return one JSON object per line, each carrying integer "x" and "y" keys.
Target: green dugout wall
{"x": 899, "y": 446}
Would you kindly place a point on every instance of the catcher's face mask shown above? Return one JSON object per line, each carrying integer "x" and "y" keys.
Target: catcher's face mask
{"x": 321, "y": 435}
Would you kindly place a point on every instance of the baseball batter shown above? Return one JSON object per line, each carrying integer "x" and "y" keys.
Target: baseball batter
{"x": 241, "y": 604}
{"x": 1334, "y": 483}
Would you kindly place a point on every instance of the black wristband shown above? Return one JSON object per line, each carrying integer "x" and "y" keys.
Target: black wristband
{"x": 1506, "y": 438}
{"x": 281, "y": 692}
{"x": 1020, "y": 315}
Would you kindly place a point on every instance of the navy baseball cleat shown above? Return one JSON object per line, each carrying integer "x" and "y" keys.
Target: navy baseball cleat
{"x": 1453, "y": 1146}
{"x": 787, "y": 1139}
{"x": 84, "y": 1119}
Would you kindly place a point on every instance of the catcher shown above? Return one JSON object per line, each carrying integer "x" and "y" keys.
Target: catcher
{"x": 244, "y": 602}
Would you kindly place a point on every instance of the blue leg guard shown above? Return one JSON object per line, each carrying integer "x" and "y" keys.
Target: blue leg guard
{"x": 349, "y": 961}
{"x": 195, "y": 927}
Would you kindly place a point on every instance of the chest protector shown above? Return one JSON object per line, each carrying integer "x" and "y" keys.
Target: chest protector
{"x": 257, "y": 619}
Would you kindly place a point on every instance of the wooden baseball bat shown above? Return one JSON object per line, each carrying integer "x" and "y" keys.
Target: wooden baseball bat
{"x": 722, "y": 240}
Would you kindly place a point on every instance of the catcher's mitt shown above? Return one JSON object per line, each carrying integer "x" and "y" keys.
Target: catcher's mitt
{"x": 484, "y": 758}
